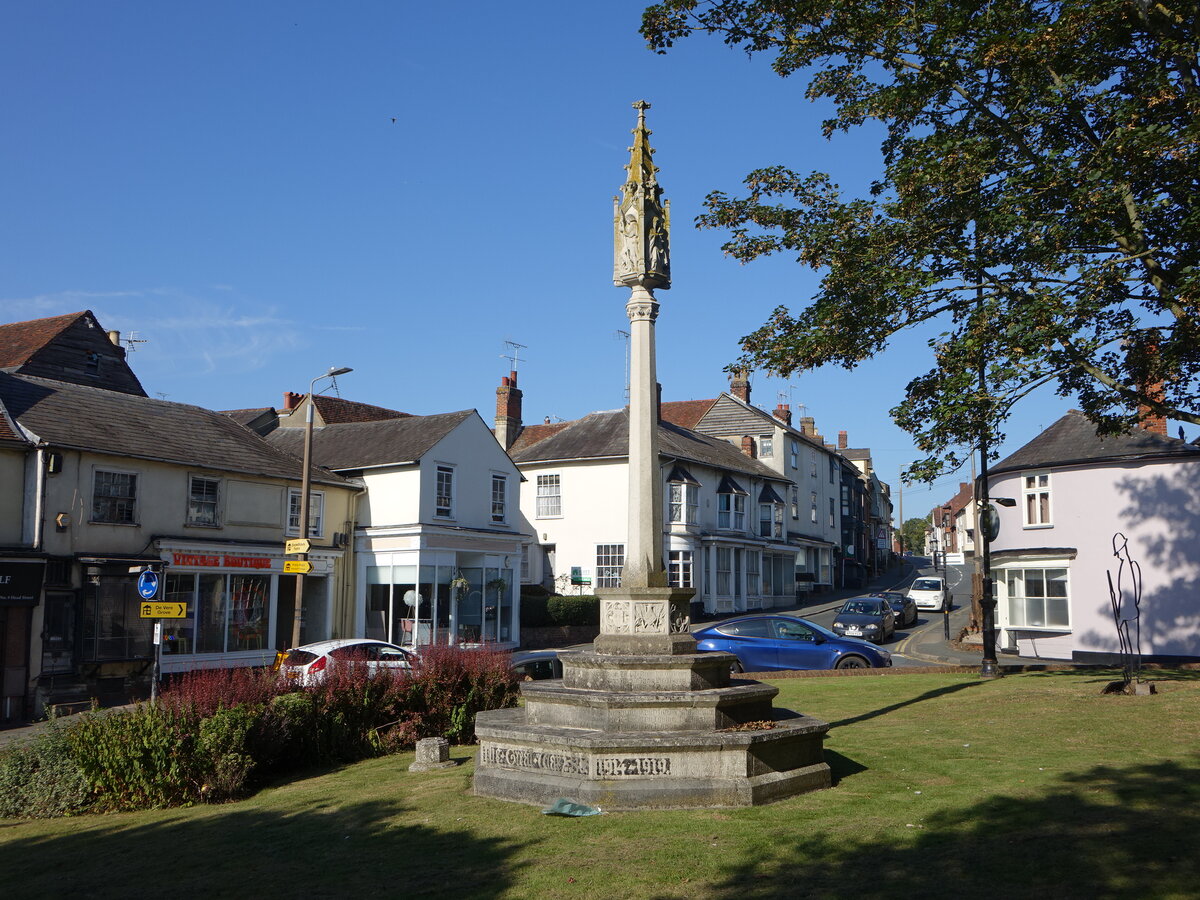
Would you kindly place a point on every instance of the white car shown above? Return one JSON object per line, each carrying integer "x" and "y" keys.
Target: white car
{"x": 930, "y": 592}
{"x": 311, "y": 664}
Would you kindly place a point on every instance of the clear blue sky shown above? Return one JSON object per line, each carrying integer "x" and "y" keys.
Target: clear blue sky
{"x": 263, "y": 190}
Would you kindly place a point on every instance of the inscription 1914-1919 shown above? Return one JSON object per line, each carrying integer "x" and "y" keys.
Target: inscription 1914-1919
{"x": 615, "y": 766}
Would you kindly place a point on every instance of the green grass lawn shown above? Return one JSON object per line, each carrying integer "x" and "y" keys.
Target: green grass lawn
{"x": 1033, "y": 785}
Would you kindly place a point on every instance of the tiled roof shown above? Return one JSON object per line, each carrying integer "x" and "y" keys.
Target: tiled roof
{"x": 533, "y": 434}
{"x": 8, "y": 431}
{"x": 20, "y": 340}
{"x": 606, "y": 435}
{"x": 358, "y": 445}
{"x": 336, "y": 411}
{"x": 246, "y": 416}
{"x": 685, "y": 413}
{"x": 1073, "y": 439}
{"x": 111, "y": 422}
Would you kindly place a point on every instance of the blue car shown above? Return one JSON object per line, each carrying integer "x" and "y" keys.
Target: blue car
{"x": 764, "y": 643}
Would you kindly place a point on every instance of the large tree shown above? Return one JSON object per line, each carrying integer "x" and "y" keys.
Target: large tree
{"x": 912, "y": 535}
{"x": 1036, "y": 210}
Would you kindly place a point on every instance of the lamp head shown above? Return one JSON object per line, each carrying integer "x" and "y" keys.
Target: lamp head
{"x": 1004, "y": 501}
{"x": 337, "y": 371}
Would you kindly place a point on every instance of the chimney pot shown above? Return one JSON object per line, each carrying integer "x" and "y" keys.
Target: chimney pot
{"x": 291, "y": 400}
{"x": 783, "y": 414}
{"x": 115, "y": 337}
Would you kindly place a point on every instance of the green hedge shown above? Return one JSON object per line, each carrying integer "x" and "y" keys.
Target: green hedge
{"x": 541, "y": 612}
{"x": 216, "y": 734}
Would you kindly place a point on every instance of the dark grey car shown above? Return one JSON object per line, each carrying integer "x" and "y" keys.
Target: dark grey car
{"x": 868, "y": 618}
{"x": 902, "y": 605}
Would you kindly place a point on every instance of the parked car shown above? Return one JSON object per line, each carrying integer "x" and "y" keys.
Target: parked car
{"x": 870, "y": 618}
{"x": 766, "y": 643}
{"x": 310, "y": 665}
{"x": 537, "y": 665}
{"x": 930, "y": 592}
{"x": 904, "y": 607}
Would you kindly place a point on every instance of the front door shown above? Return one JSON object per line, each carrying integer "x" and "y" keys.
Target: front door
{"x": 58, "y": 633}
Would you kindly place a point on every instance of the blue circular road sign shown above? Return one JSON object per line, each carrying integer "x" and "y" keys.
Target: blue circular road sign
{"x": 148, "y": 584}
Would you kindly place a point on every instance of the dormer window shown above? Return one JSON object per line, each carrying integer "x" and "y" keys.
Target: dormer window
{"x": 683, "y": 497}
{"x": 770, "y": 513}
{"x": 731, "y": 505}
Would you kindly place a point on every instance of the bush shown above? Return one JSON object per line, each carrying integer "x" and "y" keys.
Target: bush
{"x": 40, "y": 780}
{"x": 541, "y": 612}
{"x": 215, "y": 733}
{"x": 142, "y": 758}
{"x": 448, "y": 686}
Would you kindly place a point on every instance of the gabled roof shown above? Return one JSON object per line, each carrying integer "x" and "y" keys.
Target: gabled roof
{"x": 1073, "y": 440}
{"x": 19, "y": 341}
{"x": 113, "y": 423}
{"x": 361, "y": 445}
{"x": 72, "y": 348}
{"x": 685, "y": 413}
{"x": 605, "y": 435}
{"x": 336, "y": 411}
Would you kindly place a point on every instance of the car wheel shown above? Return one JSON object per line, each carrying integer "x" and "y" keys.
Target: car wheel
{"x": 735, "y": 667}
{"x": 852, "y": 662}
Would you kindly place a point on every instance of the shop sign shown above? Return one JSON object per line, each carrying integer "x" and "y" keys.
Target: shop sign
{"x": 20, "y": 583}
{"x": 227, "y": 560}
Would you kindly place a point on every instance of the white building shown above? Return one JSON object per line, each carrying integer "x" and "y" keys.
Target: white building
{"x": 797, "y": 455}
{"x": 437, "y": 543}
{"x": 726, "y": 521}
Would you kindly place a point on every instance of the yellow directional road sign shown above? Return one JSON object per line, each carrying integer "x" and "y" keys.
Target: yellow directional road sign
{"x": 297, "y": 566}
{"x": 301, "y": 545}
{"x": 164, "y": 610}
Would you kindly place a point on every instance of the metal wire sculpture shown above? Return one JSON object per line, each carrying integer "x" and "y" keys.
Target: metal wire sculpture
{"x": 1126, "y": 598}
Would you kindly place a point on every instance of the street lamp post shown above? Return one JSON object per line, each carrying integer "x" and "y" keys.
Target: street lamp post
{"x": 305, "y": 485}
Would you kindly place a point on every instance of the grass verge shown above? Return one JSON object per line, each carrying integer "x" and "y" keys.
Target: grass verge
{"x": 1033, "y": 785}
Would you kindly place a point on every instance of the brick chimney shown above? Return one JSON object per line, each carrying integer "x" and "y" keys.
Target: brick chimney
{"x": 508, "y": 410}
{"x": 783, "y": 413}
{"x": 843, "y": 440}
{"x": 739, "y": 385}
{"x": 1147, "y": 418}
{"x": 291, "y": 400}
{"x": 808, "y": 426}
{"x": 748, "y": 445}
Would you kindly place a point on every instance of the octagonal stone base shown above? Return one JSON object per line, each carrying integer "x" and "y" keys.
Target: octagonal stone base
{"x": 648, "y": 770}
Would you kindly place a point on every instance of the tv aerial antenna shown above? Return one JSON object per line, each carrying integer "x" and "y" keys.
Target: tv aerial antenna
{"x": 514, "y": 354}
{"x": 133, "y": 340}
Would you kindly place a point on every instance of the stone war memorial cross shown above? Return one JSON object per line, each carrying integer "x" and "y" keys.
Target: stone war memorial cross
{"x": 643, "y": 721}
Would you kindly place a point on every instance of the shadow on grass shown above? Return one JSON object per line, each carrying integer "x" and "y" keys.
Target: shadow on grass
{"x": 368, "y": 849}
{"x": 1103, "y": 676}
{"x": 1108, "y": 832}
{"x": 928, "y": 695}
{"x": 842, "y": 766}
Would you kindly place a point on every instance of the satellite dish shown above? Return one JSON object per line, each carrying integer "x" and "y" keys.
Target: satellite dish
{"x": 412, "y": 598}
